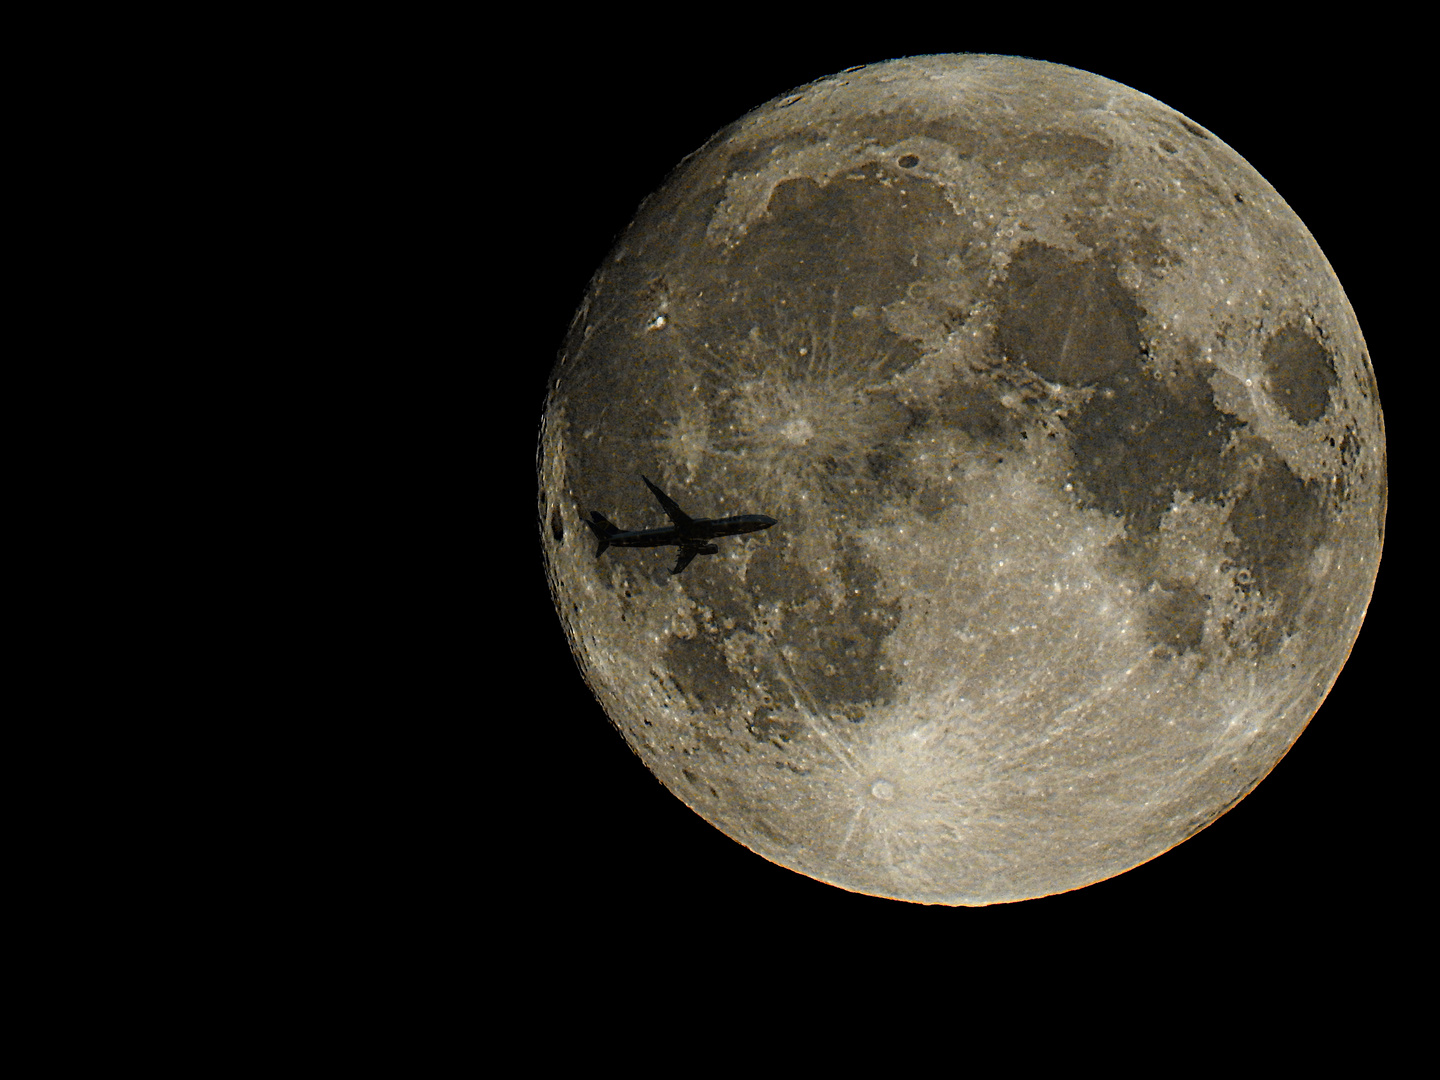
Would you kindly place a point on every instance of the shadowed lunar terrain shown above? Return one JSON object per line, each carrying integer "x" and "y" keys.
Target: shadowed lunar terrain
{"x": 1075, "y": 450}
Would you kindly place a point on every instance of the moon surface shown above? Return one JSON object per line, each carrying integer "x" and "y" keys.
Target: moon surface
{"x": 1077, "y": 457}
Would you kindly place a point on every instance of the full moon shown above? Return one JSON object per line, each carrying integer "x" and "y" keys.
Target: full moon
{"x": 1076, "y": 459}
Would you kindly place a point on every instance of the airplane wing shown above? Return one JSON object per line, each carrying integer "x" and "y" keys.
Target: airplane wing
{"x": 678, "y": 516}
{"x": 689, "y": 550}
{"x": 687, "y": 555}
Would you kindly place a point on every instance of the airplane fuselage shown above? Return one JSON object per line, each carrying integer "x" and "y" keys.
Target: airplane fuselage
{"x": 704, "y": 529}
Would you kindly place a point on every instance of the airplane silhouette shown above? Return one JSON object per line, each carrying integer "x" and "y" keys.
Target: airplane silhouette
{"x": 689, "y": 533}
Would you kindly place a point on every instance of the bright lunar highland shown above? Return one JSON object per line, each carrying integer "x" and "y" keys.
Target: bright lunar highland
{"x": 1076, "y": 458}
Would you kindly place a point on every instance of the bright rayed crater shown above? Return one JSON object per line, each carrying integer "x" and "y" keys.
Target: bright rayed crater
{"x": 1077, "y": 458}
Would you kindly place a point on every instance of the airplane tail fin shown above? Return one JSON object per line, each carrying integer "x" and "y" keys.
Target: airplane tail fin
{"x": 603, "y": 530}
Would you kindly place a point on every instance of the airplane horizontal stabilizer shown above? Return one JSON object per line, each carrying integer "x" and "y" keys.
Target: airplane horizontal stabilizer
{"x": 603, "y": 530}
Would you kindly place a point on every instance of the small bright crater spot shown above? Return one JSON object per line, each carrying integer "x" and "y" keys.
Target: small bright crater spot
{"x": 883, "y": 789}
{"x": 798, "y": 431}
